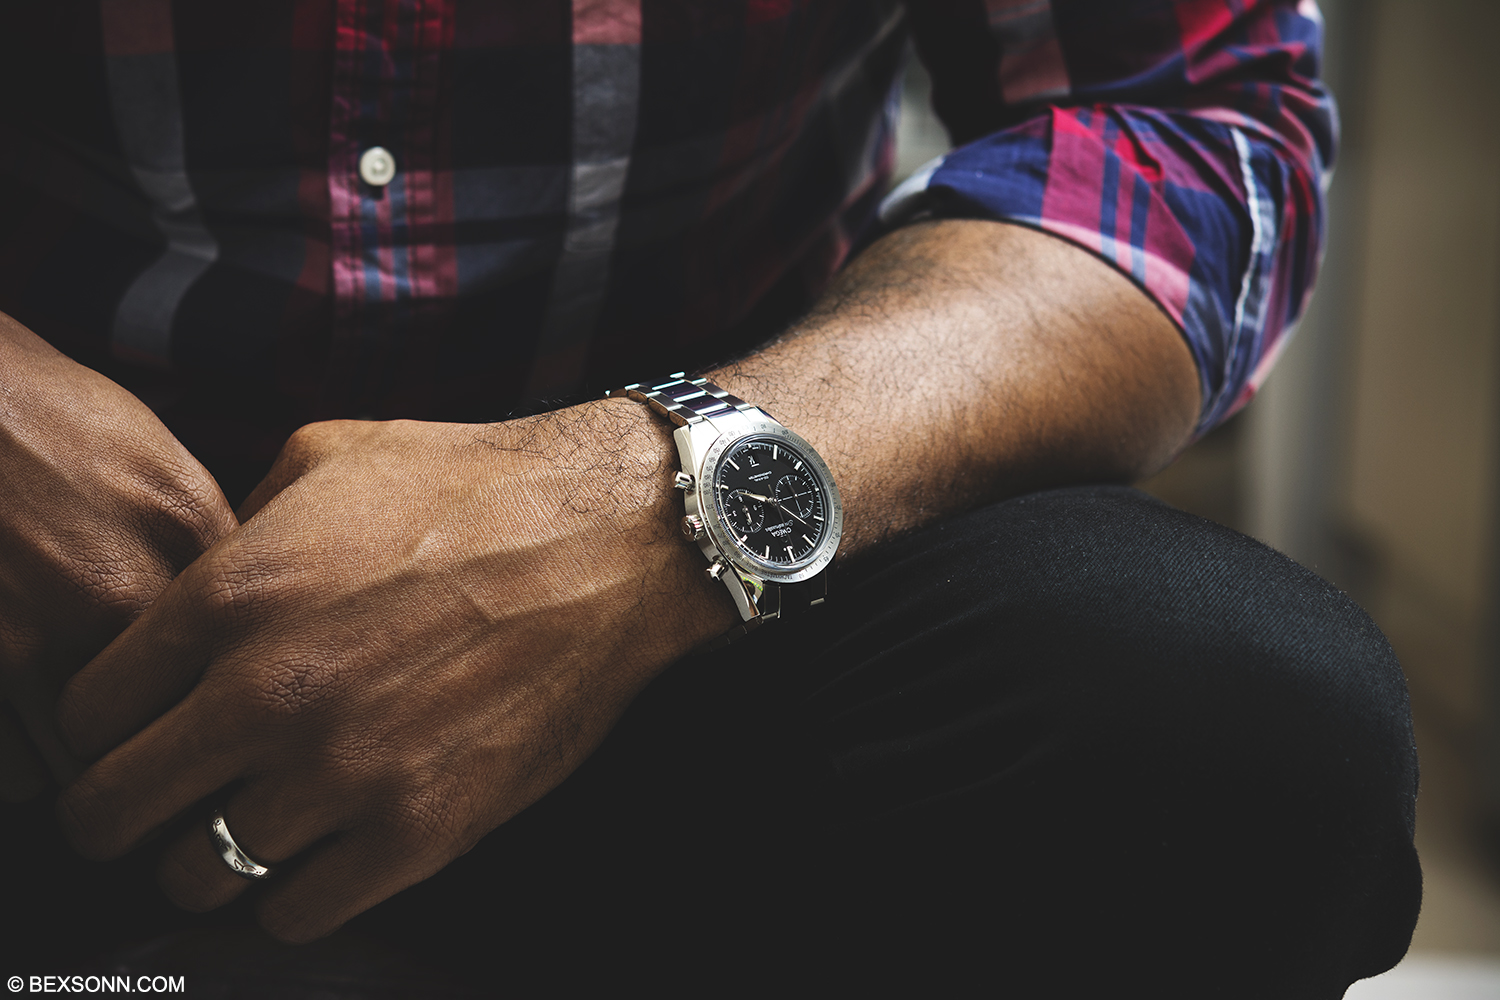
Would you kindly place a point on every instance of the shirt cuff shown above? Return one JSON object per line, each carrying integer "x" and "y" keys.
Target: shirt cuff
{"x": 1208, "y": 218}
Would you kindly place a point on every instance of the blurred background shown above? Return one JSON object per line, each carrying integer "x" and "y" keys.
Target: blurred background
{"x": 1371, "y": 453}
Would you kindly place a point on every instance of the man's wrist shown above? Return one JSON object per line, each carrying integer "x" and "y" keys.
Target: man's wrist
{"x": 636, "y": 453}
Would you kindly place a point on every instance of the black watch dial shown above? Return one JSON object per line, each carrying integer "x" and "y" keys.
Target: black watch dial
{"x": 771, "y": 500}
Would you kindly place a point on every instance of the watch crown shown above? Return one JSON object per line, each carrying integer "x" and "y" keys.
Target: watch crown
{"x": 692, "y": 527}
{"x": 684, "y": 482}
{"x": 717, "y": 569}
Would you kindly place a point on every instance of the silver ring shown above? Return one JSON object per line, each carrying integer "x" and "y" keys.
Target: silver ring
{"x": 238, "y": 861}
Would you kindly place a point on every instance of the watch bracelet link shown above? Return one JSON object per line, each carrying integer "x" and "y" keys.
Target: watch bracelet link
{"x": 686, "y": 401}
{"x": 793, "y": 598}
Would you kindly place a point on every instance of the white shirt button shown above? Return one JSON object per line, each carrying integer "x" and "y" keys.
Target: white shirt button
{"x": 377, "y": 166}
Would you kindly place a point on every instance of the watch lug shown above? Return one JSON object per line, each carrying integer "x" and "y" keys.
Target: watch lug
{"x": 693, "y": 443}
{"x": 747, "y": 592}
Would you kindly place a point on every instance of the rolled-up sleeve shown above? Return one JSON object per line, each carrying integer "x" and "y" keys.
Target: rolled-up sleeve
{"x": 1186, "y": 142}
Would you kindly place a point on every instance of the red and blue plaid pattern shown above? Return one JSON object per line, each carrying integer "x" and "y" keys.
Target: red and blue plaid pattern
{"x": 1187, "y": 142}
{"x": 591, "y": 189}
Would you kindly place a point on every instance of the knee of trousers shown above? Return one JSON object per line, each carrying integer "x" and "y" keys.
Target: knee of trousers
{"x": 1144, "y": 706}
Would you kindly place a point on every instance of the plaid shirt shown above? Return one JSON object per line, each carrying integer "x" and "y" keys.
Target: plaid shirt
{"x": 589, "y": 191}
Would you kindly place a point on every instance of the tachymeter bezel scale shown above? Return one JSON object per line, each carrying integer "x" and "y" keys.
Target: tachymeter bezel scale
{"x": 826, "y": 546}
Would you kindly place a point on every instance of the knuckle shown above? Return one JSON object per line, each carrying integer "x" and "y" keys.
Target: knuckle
{"x": 185, "y": 513}
{"x": 290, "y": 688}
{"x": 420, "y": 822}
{"x": 311, "y": 441}
{"x": 302, "y": 444}
{"x": 409, "y": 832}
{"x": 119, "y": 598}
{"x": 231, "y": 594}
{"x": 112, "y": 585}
{"x": 307, "y": 446}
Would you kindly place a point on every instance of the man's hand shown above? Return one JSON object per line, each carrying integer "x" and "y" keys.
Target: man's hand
{"x": 100, "y": 507}
{"x": 421, "y": 630}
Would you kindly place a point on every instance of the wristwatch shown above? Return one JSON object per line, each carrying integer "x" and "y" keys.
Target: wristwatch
{"x": 759, "y": 501}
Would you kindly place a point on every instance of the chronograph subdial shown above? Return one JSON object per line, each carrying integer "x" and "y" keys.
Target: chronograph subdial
{"x": 746, "y": 515}
{"x": 796, "y": 495}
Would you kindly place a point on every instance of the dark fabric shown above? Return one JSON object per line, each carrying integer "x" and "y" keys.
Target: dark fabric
{"x": 1078, "y": 741}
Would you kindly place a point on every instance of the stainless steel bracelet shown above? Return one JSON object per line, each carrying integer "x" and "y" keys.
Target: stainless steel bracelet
{"x": 686, "y": 401}
{"x": 778, "y": 600}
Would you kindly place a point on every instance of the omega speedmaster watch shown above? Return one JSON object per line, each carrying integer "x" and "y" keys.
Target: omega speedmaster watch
{"x": 759, "y": 500}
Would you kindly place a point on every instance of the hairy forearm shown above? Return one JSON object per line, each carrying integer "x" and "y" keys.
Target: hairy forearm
{"x": 959, "y": 362}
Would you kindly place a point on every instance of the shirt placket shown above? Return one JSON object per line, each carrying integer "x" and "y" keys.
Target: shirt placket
{"x": 384, "y": 179}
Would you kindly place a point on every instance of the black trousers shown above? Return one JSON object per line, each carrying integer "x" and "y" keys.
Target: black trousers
{"x": 1076, "y": 741}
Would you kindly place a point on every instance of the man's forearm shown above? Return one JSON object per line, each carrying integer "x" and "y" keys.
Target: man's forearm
{"x": 962, "y": 361}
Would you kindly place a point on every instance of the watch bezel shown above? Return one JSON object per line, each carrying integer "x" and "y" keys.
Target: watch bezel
{"x": 723, "y": 540}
